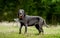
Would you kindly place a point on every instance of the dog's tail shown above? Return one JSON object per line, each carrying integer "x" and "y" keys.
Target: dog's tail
{"x": 44, "y": 23}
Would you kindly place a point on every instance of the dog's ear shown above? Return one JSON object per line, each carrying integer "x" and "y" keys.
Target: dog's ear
{"x": 24, "y": 14}
{"x": 18, "y": 14}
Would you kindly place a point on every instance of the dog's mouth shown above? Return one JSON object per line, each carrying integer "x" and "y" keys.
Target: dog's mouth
{"x": 20, "y": 16}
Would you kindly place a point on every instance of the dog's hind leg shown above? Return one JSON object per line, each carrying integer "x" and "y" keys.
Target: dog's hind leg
{"x": 38, "y": 28}
{"x": 41, "y": 29}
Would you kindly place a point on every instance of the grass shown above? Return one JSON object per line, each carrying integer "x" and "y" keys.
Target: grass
{"x": 12, "y": 32}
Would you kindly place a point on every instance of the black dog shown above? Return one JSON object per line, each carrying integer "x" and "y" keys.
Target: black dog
{"x": 30, "y": 21}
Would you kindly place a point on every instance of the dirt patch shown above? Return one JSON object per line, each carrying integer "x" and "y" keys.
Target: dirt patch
{"x": 9, "y": 24}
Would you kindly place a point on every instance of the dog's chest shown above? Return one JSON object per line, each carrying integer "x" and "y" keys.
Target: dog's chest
{"x": 22, "y": 21}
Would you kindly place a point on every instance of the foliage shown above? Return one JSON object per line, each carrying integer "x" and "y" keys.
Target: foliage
{"x": 48, "y": 9}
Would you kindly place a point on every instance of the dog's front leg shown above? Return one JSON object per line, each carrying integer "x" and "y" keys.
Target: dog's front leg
{"x": 20, "y": 28}
{"x": 25, "y": 28}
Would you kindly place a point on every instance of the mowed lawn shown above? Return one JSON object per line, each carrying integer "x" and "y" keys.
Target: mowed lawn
{"x": 12, "y": 32}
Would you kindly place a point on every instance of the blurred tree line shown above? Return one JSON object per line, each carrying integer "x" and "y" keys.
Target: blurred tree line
{"x": 48, "y": 9}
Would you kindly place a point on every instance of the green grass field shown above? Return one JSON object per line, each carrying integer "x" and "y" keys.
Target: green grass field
{"x": 12, "y": 32}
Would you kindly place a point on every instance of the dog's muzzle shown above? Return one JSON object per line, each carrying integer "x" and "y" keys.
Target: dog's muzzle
{"x": 20, "y": 16}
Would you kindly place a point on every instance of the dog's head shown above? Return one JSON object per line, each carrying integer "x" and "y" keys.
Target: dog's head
{"x": 21, "y": 14}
